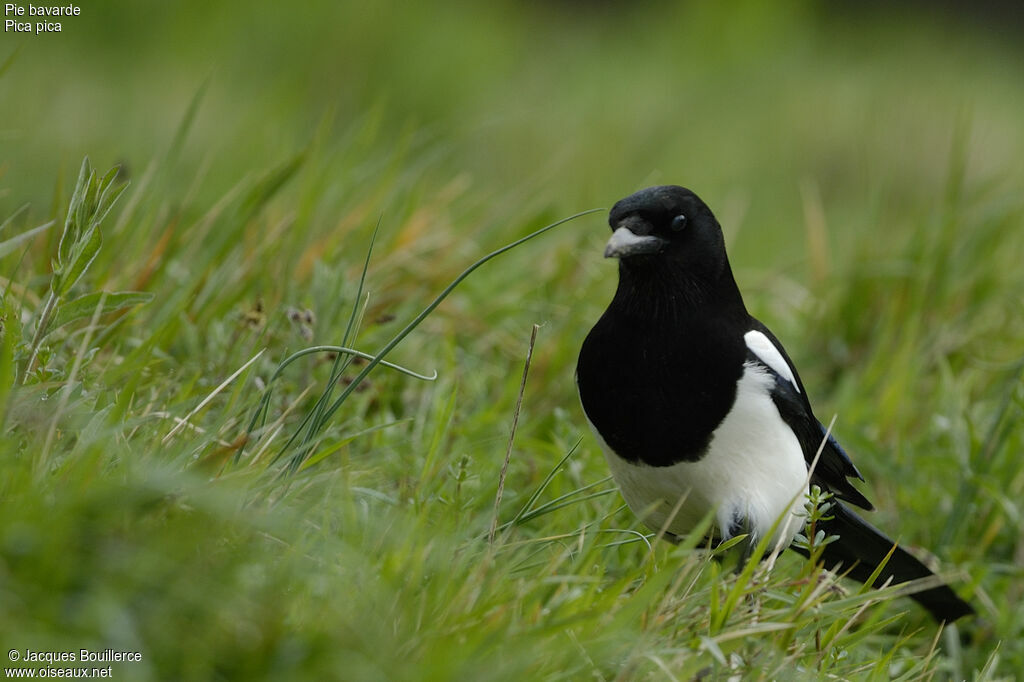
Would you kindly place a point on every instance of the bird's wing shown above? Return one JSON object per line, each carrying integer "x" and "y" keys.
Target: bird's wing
{"x": 834, "y": 466}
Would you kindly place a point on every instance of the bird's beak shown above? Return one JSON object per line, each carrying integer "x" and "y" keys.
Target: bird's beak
{"x": 625, "y": 242}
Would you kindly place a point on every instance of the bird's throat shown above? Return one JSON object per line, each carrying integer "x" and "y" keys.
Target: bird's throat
{"x": 659, "y": 293}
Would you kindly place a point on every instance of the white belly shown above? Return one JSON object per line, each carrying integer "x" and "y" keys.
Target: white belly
{"x": 754, "y": 470}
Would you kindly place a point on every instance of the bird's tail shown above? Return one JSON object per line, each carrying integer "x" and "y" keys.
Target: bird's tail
{"x": 862, "y": 547}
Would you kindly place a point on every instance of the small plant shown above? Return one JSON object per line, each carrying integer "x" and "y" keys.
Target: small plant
{"x": 80, "y": 243}
{"x": 813, "y": 539}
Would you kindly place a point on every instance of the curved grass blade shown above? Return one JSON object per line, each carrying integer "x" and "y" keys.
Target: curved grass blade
{"x": 296, "y": 460}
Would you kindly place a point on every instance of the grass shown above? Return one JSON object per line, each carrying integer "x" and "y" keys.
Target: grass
{"x": 873, "y": 219}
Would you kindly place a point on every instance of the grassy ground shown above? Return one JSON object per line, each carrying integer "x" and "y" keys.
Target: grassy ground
{"x": 867, "y": 173}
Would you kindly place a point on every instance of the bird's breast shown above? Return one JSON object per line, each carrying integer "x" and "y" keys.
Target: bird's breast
{"x": 751, "y": 476}
{"x": 656, "y": 393}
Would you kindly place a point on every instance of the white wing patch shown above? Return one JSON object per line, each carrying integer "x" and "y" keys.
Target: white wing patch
{"x": 761, "y": 346}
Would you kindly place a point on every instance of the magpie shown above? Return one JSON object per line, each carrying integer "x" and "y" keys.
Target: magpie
{"x": 699, "y": 409}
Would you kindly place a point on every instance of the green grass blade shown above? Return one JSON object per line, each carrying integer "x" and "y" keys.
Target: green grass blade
{"x": 11, "y": 58}
{"x": 9, "y": 245}
{"x": 187, "y": 121}
{"x": 430, "y": 308}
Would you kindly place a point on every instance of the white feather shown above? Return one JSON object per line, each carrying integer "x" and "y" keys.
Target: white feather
{"x": 753, "y": 469}
{"x": 761, "y": 346}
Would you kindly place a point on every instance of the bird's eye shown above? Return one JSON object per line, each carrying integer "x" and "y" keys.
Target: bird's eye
{"x": 678, "y": 223}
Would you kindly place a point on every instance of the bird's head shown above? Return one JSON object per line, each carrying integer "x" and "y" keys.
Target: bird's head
{"x": 666, "y": 226}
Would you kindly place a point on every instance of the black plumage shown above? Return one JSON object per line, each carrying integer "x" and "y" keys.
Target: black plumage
{"x": 693, "y": 398}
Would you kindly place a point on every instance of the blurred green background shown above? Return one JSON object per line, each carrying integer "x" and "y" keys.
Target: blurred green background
{"x": 733, "y": 102}
{"x": 866, "y": 164}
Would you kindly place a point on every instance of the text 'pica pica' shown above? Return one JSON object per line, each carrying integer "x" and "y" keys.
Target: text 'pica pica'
{"x": 698, "y": 407}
